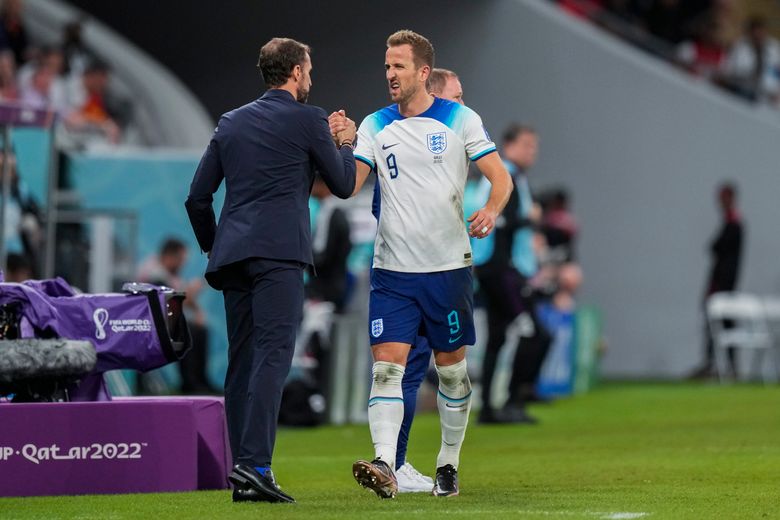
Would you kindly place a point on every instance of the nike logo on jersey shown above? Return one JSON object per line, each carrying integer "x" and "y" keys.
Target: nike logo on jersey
{"x": 453, "y": 340}
{"x": 386, "y": 146}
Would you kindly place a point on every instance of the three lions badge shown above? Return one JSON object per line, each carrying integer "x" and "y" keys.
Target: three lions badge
{"x": 437, "y": 142}
{"x": 377, "y": 327}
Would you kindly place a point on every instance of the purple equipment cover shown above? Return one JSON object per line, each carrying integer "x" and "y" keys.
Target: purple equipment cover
{"x": 128, "y": 330}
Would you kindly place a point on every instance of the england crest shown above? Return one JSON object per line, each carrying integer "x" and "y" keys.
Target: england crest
{"x": 377, "y": 326}
{"x": 437, "y": 142}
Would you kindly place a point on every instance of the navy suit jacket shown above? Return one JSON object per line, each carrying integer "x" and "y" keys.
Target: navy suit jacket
{"x": 266, "y": 152}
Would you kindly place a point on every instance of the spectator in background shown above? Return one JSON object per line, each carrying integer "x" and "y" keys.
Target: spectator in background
{"x": 38, "y": 92}
{"x": 752, "y": 64}
{"x": 92, "y": 110}
{"x": 12, "y": 25}
{"x": 704, "y": 55}
{"x": 9, "y": 90}
{"x": 543, "y": 284}
{"x": 726, "y": 251}
{"x": 41, "y": 82}
{"x": 54, "y": 58}
{"x": 560, "y": 226}
{"x": 77, "y": 55}
{"x": 18, "y": 268}
{"x": 558, "y": 313}
{"x": 330, "y": 282}
{"x": 23, "y": 231}
{"x": 445, "y": 84}
{"x": 331, "y": 246}
{"x": 505, "y": 264}
{"x": 569, "y": 282}
{"x": 565, "y": 281}
{"x": 49, "y": 57}
{"x": 165, "y": 269}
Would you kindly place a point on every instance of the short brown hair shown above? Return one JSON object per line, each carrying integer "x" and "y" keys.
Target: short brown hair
{"x": 438, "y": 79}
{"x": 422, "y": 50}
{"x": 515, "y": 130}
{"x": 172, "y": 246}
{"x": 278, "y": 58}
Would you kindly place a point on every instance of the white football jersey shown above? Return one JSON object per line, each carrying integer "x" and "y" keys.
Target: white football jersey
{"x": 422, "y": 164}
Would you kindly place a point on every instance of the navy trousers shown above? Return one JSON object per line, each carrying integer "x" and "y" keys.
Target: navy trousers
{"x": 263, "y": 306}
{"x": 506, "y": 296}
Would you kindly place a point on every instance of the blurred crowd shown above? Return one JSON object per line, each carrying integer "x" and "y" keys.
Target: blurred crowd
{"x": 67, "y": 79}
{"x": 70, "y": 81}
{"x": 709, "y": 38}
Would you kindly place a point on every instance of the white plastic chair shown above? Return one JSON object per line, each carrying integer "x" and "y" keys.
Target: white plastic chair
{"x": 772, "y": 313}
{"x": 749, "y": 330}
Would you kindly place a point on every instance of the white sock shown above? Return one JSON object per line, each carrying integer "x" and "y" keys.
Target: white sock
{"x": 454, "y": 400}
{"x": 386, "y": 409}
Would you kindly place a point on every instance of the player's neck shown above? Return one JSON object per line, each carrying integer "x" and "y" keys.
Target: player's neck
{"x": 417, "y": 105}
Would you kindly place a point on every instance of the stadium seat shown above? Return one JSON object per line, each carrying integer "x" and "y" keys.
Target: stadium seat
{"x": 772, "y": 312}
{"x": 739, "y": 321}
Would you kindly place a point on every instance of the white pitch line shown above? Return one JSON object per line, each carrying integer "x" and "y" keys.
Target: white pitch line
{"x": 600, "y": 514}
{"x": 604, "y": 515}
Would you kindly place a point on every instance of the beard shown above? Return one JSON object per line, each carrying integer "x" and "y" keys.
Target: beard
{"x": 405, "y": 95}
{"x": 303, "y": 95}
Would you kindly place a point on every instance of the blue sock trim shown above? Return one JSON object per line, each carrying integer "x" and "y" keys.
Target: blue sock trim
{"x": 451, "y": 400}
{"x": 377, "y": 400}
{"x": 262, "y": 469}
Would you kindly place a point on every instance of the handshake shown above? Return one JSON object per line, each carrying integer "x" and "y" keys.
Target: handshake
{"x": 342, "y": 128}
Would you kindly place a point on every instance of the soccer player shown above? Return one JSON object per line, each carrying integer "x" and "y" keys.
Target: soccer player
{"x": 422, "y": 281}
{"x": 445, "y": 84}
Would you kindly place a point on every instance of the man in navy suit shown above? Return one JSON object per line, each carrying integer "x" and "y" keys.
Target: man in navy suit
{"x": 267, "y": 153}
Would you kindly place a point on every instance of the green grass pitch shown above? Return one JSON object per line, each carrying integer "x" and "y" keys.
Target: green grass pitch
{"x": 652, "y": 451}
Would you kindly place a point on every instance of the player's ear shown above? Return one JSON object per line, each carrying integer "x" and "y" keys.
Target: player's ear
{"x": 425, "y": 72}
{"x": 297, "y": 72}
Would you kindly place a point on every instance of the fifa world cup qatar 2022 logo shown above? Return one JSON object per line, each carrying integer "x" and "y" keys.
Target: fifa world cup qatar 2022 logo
{"x": 122, "y": 325}
{"x": 95, "y": 451}
{"x": 100, "y": 317}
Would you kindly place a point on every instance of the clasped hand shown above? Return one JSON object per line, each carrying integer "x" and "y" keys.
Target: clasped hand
{"x": 342, "y": 128}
